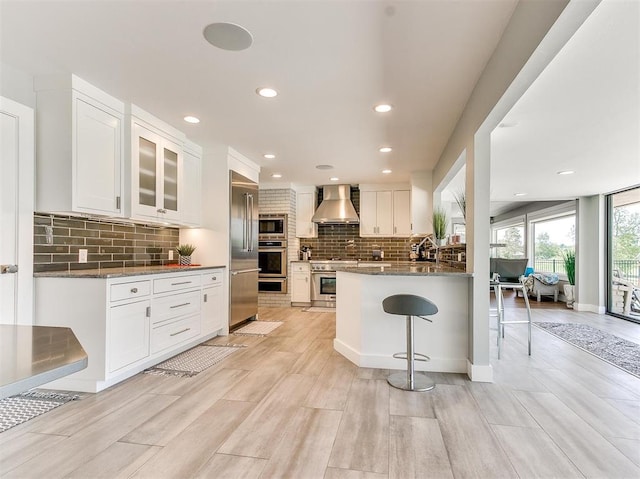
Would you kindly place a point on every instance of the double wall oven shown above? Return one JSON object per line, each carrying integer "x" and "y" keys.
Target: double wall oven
{"x": 272, "y": 253}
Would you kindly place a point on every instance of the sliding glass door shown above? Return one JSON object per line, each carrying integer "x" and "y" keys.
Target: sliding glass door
{"x": 623, "y": 245}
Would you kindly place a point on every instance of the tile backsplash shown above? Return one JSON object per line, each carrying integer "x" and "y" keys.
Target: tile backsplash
{"x": 109, "y": 243}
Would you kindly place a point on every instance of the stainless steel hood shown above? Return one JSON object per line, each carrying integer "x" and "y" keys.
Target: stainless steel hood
{"x": 336, "y": 206}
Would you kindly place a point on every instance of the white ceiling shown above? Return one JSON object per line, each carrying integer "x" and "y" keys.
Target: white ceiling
{"x": 332, "y": 61}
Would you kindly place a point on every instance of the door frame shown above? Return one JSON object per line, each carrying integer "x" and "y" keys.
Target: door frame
{"x": 25, "y": 200}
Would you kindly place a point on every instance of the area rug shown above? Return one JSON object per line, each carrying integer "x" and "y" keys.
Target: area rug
{"x": 258, "y": 328}
{"x": 612, "y": 349}
{"x": 193, "y": 361}
{"x": 17, "y": 409}
{"x": 319, "y": 309}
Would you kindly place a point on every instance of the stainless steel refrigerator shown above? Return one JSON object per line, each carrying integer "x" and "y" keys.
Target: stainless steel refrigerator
{"x": 243, "y": 216}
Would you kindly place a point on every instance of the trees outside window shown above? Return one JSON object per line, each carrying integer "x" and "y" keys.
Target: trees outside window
{"x": 513, "y": 238}
{"x": 552, "y": 237}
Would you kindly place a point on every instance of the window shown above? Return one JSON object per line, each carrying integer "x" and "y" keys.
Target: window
{"x": 551, "y": 238}
{"x": 513, "y": 238}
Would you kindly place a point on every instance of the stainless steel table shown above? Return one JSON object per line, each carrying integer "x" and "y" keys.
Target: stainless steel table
{"x": 34, "y": 355}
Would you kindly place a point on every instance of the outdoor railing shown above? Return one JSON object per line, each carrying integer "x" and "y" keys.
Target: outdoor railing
{"x": 628, "y": 268}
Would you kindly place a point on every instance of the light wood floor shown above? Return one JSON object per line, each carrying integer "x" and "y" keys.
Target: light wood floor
{"x": 288, "y": 406}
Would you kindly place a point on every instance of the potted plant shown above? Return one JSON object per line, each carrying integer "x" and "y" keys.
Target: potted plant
{"x": 184, "y": 252}
{"x": 569, "y": 259}
{"x": 461, "y": 200}
{"x": 439, "y": 221}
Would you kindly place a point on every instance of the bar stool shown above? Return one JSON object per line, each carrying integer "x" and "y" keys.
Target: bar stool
{"x": 498, "y": 286}
{"x": 410, "y": 305}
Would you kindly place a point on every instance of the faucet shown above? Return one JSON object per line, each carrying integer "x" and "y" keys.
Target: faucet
{"x": 435, "y": 245}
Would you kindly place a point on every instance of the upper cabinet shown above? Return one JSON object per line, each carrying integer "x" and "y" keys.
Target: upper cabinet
{"x": 79, "y": 148}
{"x": 192, "y": 181}
{"x": 156, "y": 168}
{"x": 385, "y": 210}
{"x": 306, "y": 198}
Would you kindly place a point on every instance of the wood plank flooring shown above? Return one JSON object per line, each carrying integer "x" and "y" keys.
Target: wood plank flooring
{"x": 289, "y": 406}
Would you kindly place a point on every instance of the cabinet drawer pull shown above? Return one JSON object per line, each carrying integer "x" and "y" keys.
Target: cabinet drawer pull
{"x": 179, "y": 305}
{"x": 134, "y": 290}
{"x": 183, "y": 282}
{"x": 180, "y": 332}
{"x": 205, "y": 298}
{"x": 148, "y": 312}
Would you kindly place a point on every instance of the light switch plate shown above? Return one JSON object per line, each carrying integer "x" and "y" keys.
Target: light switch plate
{"x": 170, "y": 254}
{"x": 82, "y": 256}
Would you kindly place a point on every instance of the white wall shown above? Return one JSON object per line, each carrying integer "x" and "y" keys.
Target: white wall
{"x": 590, "y": 255}
{"x": 535, "y": 34}
{"x": 17, "y": 85}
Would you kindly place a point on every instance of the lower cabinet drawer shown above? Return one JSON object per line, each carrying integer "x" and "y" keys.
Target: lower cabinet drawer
{"x": 176, "y": 283}
{"x": 169, "y": 307}
{"x": 135, "y": 289}
{"x": 175, "y": 332}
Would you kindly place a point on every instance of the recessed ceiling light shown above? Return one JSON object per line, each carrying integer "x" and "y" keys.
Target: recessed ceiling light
{"x": 228, "y": 36}
{"x": 267, "y": 92}
{"x": 383, "y": 108}
{"x": 276, "y": 175}
{"x": 520, "y": 194}
{"x": 334, "y": 178}
{"x": 191, "y": 119}
{"x": 269, "y": 156}
{"x": 385, "y": 149}
{"x": 324, "y": 167}
{"x": 386, "y": 172}
{"x": 566, "y": 172}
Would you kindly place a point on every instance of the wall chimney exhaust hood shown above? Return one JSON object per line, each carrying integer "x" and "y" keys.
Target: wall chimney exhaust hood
{"x": 336, "y": 206}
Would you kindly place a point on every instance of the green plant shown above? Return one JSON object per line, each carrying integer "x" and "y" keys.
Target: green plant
{"x": 569, "y": 258}
{"x": 461, "y": 200}
{"x": 439, "y": 220}
{"x": 185, "y": 249}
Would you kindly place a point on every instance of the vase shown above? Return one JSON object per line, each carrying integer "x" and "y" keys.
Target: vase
{"x": 184, "y": 260}
{"x": 569, "y": 294}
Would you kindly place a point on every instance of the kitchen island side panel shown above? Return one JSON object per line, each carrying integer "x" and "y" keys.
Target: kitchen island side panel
{"x": 369, "y": 337}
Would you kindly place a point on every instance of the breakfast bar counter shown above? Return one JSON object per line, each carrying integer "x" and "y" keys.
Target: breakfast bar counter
{"x": 369, "y": 337}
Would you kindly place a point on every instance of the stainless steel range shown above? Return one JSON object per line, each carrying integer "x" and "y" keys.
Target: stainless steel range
{"x": 323, "y": 281}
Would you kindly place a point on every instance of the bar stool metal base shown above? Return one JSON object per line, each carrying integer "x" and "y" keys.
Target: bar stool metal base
{"x": 420, "y": 382}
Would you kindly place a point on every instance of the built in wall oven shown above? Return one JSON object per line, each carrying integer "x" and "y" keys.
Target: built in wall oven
{"x": 272, "y": 261}
{"x": 272, "y": 226}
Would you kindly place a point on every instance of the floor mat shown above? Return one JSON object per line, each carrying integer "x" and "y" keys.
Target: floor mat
{"x": 617, "y": 351}
{"x": 258, "y": 328}
{"x": 319, "y": 309}
{"x": 17, "y": 409}
{"x": 193, "y": 361}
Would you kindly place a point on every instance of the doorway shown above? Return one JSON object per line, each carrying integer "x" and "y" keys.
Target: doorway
{"x": 16, "y": 205}
{"x": 623, "y": 254}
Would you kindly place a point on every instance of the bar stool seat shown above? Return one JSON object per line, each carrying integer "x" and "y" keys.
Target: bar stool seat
{"x": 410, "y": 305}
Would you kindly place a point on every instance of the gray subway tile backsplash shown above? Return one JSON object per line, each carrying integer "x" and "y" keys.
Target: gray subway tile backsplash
{"x": 109, "y": 244}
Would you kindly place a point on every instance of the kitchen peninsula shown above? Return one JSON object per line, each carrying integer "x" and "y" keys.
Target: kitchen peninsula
{"x": 369, "y": 337}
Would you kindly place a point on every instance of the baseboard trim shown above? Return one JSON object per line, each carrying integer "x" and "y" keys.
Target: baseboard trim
{"x": 481, "y": 374}
{"x": 592, "y": 308}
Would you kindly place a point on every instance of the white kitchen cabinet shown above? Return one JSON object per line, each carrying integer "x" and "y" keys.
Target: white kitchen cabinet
{"x": 191, "y": 211}
{"x": 156, "y": 168}
{"x": 376, "y": 213}
{"x": 306, "y": 199}
{"x": 212, "y": 303}
{"x": 127, "y": 324}
{"x": 402, "y": 213}
{"x": 385, "y": 210}
{"x": 128, "y": 334}
{"x": 300, "y": 282}
{"x": 79, "y": 148}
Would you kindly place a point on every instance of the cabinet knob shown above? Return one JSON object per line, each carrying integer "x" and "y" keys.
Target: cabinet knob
{"x": 213, "y": 278}
{"x": 134, "y": 290}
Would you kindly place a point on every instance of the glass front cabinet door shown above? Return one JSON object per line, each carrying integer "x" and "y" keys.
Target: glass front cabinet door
{"x": 156, "y": 175}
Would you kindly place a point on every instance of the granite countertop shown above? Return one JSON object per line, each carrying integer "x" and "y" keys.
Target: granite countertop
{"x": 409, "y": 269}
{"x": 122, "y": 272}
